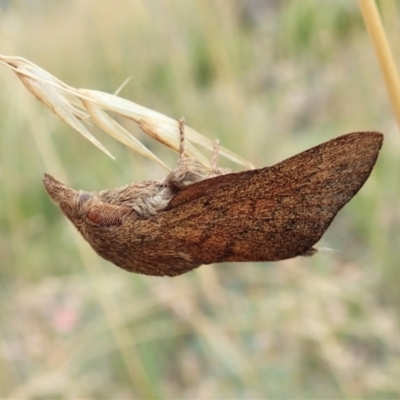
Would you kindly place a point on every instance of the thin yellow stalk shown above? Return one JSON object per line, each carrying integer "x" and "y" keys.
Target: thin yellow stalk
{"x": 377, "y": 34}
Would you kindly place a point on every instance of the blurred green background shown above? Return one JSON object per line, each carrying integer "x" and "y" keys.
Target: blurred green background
{"x": 269, "y": 79}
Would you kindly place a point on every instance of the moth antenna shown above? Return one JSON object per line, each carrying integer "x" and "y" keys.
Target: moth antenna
{"x": 215, "y": 154}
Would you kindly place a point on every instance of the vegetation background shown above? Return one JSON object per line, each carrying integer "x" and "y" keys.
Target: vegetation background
{"x": 269, "y": 79}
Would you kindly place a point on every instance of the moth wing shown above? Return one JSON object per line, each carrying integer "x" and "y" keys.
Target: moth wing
{"x": 272, "y": 213}
{"x": 207, "y": 187}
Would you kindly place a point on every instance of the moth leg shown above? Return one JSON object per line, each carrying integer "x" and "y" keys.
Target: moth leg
{"x": 214, "y": 161}
{"x": 181, "y": 124}
{"x": 215, "y": 155}
{"x": 190, "y": 164}
{"x": 189, "y": 169}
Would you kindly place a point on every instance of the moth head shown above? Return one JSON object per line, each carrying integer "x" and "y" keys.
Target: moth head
{"x": 74, "y": 204}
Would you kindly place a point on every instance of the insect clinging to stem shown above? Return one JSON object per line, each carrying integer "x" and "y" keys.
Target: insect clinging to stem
{"x": 199, "y": 215}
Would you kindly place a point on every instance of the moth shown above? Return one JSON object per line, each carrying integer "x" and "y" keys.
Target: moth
{"x": 199, "y": 215}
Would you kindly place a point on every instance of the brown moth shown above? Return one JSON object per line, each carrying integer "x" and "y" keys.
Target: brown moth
{"x": 199, "y": 215}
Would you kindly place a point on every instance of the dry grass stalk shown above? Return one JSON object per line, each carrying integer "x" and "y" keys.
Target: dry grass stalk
{"x": 75, "y": 105}
{"x": 383, "y": 52}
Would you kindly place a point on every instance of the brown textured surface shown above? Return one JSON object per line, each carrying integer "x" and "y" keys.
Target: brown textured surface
{"x": 269, "y": 214}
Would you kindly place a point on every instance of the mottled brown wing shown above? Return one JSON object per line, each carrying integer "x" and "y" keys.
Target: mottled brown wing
{"x": 207, "y": 187}
{"x": 272, "y": 213}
